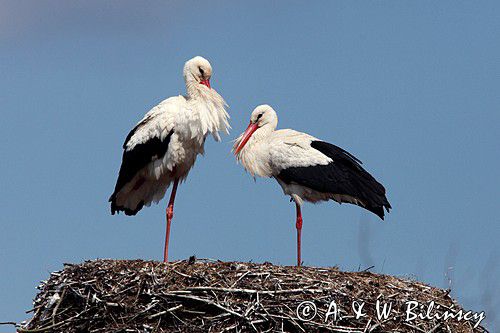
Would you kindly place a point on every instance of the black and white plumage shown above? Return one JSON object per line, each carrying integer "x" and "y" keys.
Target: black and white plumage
{"x": 343, "y": 177}
{"x": 162, "y": 148}
{"x": 306, "y": 168}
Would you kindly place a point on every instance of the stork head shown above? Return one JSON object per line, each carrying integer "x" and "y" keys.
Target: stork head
{"x": 263, "y": 120}
{"x": 198, "y": 70}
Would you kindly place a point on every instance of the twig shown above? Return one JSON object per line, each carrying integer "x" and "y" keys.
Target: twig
{"x": 166, "y": 311}
{"x": 206, "y": 301}
{"x": 46, "y": 328}
{"x": 262, "y": 292}
{"x": 8, "y": 323}
{"x": 54, "y": 312}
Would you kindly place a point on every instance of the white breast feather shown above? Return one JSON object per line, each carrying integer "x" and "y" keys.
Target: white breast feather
{"x": 189, "y": 118}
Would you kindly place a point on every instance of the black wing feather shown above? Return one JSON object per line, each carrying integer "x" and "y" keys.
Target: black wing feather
{"x": 136, "y": 159}
{"x": 344, "y": 175}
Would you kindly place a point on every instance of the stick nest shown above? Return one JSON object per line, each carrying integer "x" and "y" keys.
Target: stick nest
{"x": 213, "y": 296}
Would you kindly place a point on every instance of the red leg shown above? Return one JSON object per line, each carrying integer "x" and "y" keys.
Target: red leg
{"x": 298, "y": 225}
{"x": 170, "y": 215}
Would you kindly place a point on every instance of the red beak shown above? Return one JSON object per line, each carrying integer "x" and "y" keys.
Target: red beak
{"x": 246, "y": 136}
{"x": 206, "y": 83}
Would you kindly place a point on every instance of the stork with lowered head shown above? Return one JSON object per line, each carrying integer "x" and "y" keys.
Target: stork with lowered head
{"x": 162, "y": 148}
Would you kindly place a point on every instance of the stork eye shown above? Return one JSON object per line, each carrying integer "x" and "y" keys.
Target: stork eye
{"x": 202, "y": 72}
{"x": 259, "y": 116}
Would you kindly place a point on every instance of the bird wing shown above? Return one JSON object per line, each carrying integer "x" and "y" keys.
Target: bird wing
{"x": 157, "y": 123}
{"x": 147, "y": 141}
{"x": 289, "y": 148}
{"x": 338, "y": 173}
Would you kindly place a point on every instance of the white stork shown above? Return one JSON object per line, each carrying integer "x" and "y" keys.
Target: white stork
{"x": 163, "y": 146}
{"x": 306, "y": 167}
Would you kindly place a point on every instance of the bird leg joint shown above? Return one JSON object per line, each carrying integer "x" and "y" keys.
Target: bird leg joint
{"x": 298, "y": 224}
{"x": 170, "y": 212}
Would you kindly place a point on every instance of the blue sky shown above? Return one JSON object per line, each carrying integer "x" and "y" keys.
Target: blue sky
{"x": 410, "y": 88}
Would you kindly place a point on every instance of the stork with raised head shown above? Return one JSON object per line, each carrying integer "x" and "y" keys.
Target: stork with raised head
{"x": 306, "y": 168}
{"x": 163, "y": 146}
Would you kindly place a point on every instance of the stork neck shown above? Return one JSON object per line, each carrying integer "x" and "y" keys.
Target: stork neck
{"x": 196, "y": 90}
{"x": 253, "y": 155}
{"x": 211, "y": 107}
{"x": 262, "y": 133}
